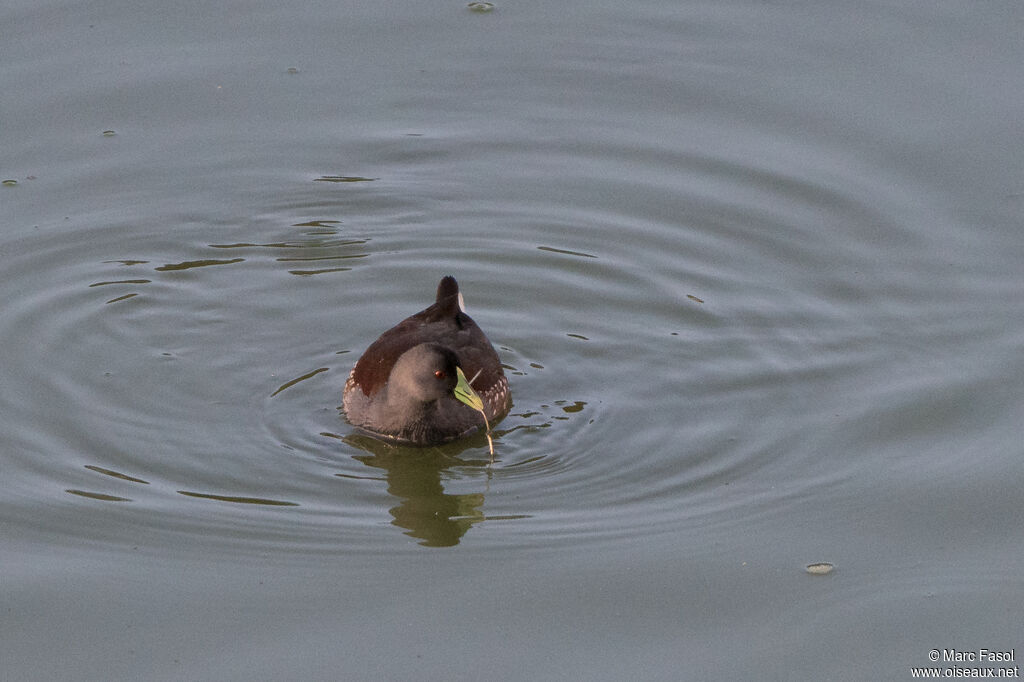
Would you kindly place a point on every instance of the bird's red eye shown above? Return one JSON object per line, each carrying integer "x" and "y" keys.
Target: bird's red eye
{"x": 439, "y": 374}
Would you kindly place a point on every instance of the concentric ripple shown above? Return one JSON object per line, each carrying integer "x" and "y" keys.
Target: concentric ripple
{"x": 669, "y": 366}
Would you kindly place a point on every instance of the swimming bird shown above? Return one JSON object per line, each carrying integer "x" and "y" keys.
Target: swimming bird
{"x": 416, "y": 383}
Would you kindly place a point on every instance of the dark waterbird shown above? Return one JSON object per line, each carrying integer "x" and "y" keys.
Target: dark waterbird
{"x": 411, "y": 384}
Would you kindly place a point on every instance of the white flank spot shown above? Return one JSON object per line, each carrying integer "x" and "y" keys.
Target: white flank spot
{"x": 462, "y": 303}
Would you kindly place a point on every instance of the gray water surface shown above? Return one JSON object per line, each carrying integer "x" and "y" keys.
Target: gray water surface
{"x": 754, "y": 271}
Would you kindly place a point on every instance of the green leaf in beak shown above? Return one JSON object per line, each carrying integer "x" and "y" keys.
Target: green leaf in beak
{"x": 465, "y": 393}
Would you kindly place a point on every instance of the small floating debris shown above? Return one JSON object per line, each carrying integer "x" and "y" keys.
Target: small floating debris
{"x": 120, "y": 281}
{"x": 328, "y": 225}
{"x": 122, "y": 298}
{"x": 343, "y": 178}
{"x": 238, "y": 500}
{"x": 481, "y": 7}
{"x": 694, "y": 298}
{"x": 822, "y": 568}
{"x": 102, "y": 497}
{"x": 575, "y": 407}
{"x": 9, "y": 183}
{"x": 292, "y": 69}
{"x": 322, "y": 271}
{"x": 566, "y": 252}
{"x": 109, "y": 133}
{"x": 289, "y": 384}
{"x": 197, "y": 264}
{"x": 115, "y": 474}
